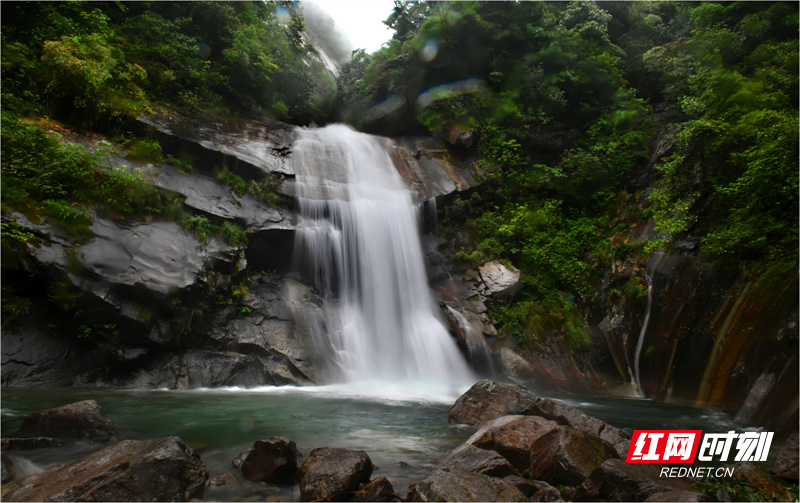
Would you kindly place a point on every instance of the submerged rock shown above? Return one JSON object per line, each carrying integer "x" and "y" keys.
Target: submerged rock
{"x": 16, "y": 444}
{"x": 487, "y": 400}
{"x": 333, "y": 473}
{"x": 80, "y": 421}
{"x": 452, "y": 484}
{"x": 378, "y": 489}
{"x": 163, "y": 469}
{"x": 273, "y": 461}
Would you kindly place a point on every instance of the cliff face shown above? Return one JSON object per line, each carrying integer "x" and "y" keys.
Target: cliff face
{"x": 148, "y": 304}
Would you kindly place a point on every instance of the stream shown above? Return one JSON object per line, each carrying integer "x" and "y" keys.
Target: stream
{"x": 405, "y": 432}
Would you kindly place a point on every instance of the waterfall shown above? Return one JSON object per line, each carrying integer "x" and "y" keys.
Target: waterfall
{"x": 358, "y": 243}
{"x": 637, "y": 356}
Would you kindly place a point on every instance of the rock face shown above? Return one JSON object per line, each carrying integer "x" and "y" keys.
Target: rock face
{"x": 452, "y": 484}
{"x": 333, "y": 473}
{"x": 762, "y": 482}
{"x": 164, "y": 469}
{"x": 487, "y": 400}
{"x": 273, "y": 461}
{"x": 80, "y": 421}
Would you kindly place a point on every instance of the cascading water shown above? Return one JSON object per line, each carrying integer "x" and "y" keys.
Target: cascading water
{"x": 358, "y": 243}
{"x": 638, "y": 355}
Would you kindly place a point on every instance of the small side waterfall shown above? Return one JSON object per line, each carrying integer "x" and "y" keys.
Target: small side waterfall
{"x": 638, "y": 354}
{"x": 358, "y": 243}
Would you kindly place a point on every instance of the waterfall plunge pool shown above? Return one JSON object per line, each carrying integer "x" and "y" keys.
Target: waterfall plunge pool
{"x": 403, "y": 429}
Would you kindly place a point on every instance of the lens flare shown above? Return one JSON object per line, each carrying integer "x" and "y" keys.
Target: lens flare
{"x": 430, "y": 51}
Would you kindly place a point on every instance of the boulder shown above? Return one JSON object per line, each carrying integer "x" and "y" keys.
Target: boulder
{"x": 225, "y": 487}
{"x": 333, "y": 473}
{"x": 549, "y": 493}
{"x": 786, "y": 463}
{"x": 499, "y": 280}
{"x": 615, "y": 480}
{"x": 17, "y": 444}
{"x": 527, "y": 486}
{"x": 473, "y": 459}
{"x": 567, "y": 456}
{"x": 487, "y": 400}
{"x": 273, "y": 461}
{"x": 80, "y": 421}
{"x": 564, "y": 414}
{"x": 163, "y": 469}
{"x": 514, "y": 437}
{"x": 378, "y": 489}
{"x": 452, "y": 484}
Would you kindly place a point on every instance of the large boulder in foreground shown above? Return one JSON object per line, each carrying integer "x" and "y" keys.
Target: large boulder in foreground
{"x": 163, "y": 469}
{"x": 514, "y": 437}
{"x": 452, "y": 484}
{"x": 473, "y": 459}
{"x": 378, "y": 489}
{"x": 487, "y": 400}
{"x": 79, "y": 421}
{"x": 333, "y": 473}
{"x": 615, "y": 480}
{"x": 568, "y": 455}
{"x": 273, "y": 461}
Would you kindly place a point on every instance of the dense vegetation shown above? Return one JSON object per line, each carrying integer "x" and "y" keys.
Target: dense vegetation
{"x": 566, "y": 100}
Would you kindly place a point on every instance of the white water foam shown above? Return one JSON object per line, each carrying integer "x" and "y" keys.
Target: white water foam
{"x": 358, "y": 243}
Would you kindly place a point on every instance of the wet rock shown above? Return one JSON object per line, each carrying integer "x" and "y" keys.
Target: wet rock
{"x": 527, "y": 486}
{"x": 163, "y": 469}
{"x": 16, "y": 444}
{"x": 515, "y": 438}
{"x": 761, "y": 482}
{"x": 378, "y": 489}
{"x": 547, "y": 494}
{"x": 499, "y": 280}
{"x": 333, "y": 473}
{"x": 33, "y": 357}
{"x": 80, "y": 421}
{"x": 452, "y": 484}
{"x": 677, "y": 496}
{"x": 473, "y": 459}
{"x": 563, "y": 414}
{"x": 615, "y": 480}
{"x": 225, "y": 487}
{"x": 786, "y": 463}
{"x": 273, "y": 461}
{"x": 228, "y": 480}
{"x": 567, "y": 456}
{"x": 487, "y": 400}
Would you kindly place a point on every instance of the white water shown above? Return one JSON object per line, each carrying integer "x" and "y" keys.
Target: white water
{"x": 637, "y": 356}
{"x": 358, "y": 243}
